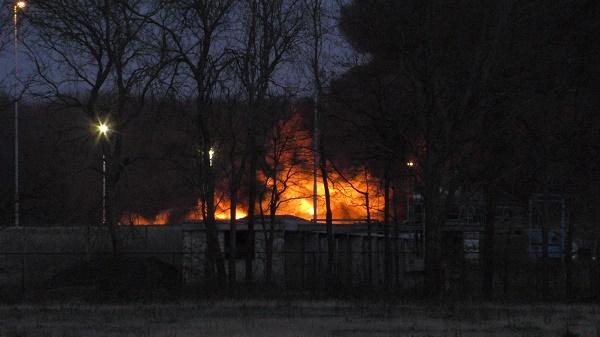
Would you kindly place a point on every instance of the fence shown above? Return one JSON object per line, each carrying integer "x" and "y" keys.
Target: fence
{"x": 49, "y": 258}
{"x": 149, "y": 272}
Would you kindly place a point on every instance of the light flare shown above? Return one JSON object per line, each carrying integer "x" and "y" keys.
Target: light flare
{"x": 103, "y": 128}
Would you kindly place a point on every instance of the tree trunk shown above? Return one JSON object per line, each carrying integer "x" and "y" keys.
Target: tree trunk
{"x": 269, "y": 238}
{"x": 370, "y": 241}
{"x": 396, "y": 231}
{"x": 506, "y": 261}
{"x": 569, "y": 256}
{"x": 387, "y": 261}
{"x": 432, "y": 228}
{"x": 214, "y": 255}
{"x": 328, "y": 217}
{"x": 545, "y": 265}
{"x": 249, "y": 276}
{"x": 233, "y": 231}
{"x": 488, "y": 244}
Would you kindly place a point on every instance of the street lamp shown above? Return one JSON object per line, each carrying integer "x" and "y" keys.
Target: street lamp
{"x": 19, "y": 5}
{"x": 103, "y": 130}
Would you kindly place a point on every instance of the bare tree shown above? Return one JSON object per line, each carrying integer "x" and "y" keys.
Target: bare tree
{"x": 368, "y": 219}
{"x": 281, "y": 168}
{"x": 270, "y": 31}
{"x": 316, "y": 35}
{"x": 195, "y": 31}
{"x": 95, "y": 57}
{"x": 234, "y": 159}
{"x": 447, "y": 90}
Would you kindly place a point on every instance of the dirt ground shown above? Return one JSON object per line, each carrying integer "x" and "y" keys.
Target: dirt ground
{"x": 298, "y": 318}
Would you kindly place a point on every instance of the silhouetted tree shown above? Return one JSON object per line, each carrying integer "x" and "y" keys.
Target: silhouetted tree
{"x": 99, "y": 49}
{"x": 270, "y": 32}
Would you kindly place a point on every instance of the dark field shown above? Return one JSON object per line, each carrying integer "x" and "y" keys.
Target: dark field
{"x": 299, "y": 318}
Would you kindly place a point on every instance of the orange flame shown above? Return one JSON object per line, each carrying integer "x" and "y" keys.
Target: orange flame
{"x": 289, "y": 154}
{"x": 346, "y": 203}
{"x": 132, "y": 218}
{"x": 162, "y": 218}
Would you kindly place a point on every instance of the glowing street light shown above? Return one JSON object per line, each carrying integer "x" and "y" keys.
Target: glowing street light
{"x": 19, "y": 5}
{"x": 103, "y": 129}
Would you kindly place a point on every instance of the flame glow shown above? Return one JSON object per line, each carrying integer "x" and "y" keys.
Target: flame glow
{"x": 346, "y": 202}
{"x": 289, "y": 156}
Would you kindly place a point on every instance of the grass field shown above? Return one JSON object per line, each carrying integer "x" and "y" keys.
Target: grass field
{"x": 298, "y": 318}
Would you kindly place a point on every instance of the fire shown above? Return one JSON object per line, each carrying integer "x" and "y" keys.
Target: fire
{"x": 289, "y": 164}
{"x": 163, "y": 217}
{"x": 221, "y": 212}
{"x": 132, "y": 218}
{"x": 346, "y": 202}
{"x": 287, "y": 170}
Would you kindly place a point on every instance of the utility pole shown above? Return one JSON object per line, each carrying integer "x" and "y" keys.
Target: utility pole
{"x": 17, "y": 6}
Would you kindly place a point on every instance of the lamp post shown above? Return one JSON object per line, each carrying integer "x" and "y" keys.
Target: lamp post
{"x": 19, "y": 5}
{"x": 103, "y": 130}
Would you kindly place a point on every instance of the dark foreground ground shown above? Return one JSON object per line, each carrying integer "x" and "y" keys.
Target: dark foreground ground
{"x": 298, "y": 318}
